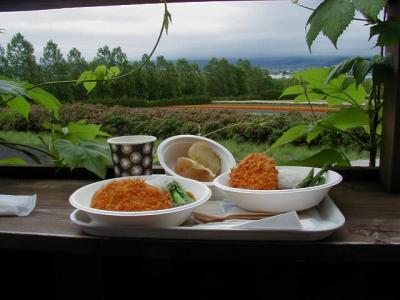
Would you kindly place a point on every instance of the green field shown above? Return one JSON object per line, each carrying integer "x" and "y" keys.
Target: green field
{"x": 239, "y": 150}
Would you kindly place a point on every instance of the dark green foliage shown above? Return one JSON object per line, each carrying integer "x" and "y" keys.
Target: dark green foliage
{"x": 166, "y": 122}
{"x": 225, "y": 79}
{"x": 19, "y": 60}
{"x": 128, "y": 102}
{"x": 161, "y": 79}
{"x": 54, "y": 68}
{"x": 3, "y": 60}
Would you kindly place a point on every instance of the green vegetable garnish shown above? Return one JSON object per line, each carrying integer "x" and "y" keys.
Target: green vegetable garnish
{"x": 318, "y": 179}
{"x": 307, "y": 180}
{"x": 178, "y": 194}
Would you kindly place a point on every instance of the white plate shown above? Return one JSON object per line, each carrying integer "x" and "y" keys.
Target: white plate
{"x": 81, "y": 200}
{"x": 317, "y": 223}
{"x": 280, "y": 200}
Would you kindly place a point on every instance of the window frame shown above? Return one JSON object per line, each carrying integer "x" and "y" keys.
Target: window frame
{"x": 390, "y": 148}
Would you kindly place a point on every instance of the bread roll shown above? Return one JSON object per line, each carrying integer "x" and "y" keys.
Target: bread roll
{"x": 189, "y": 168}
{"x": 205, "y": 155}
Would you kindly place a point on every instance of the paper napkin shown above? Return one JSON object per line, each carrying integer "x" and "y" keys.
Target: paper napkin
{"x": 11, "y": 205}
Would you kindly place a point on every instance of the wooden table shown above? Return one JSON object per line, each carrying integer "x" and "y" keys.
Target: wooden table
{"x": 48, "y": 240}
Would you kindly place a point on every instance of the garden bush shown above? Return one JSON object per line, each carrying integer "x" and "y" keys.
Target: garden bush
{"x": 272, "y": 94}
{"x": 165, "y": 122}
{"x": 128, "y": 102}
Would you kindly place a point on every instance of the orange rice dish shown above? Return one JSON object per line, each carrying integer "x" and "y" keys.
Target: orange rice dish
{"x": 131, "y": 195}
{"x": 256, "y": 171}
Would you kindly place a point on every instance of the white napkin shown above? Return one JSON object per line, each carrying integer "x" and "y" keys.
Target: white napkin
{"x": 22, "y": 206}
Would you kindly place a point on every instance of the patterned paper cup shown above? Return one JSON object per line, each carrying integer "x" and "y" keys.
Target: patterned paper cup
{"x": 132, "y": 155}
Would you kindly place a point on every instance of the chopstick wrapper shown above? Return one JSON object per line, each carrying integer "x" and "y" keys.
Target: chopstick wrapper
{"x": 285, "y": 221}
{"x": 21, "y": 206}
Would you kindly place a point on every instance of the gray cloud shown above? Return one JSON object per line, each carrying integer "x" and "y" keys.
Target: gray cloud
{"x": 199, "y": 30}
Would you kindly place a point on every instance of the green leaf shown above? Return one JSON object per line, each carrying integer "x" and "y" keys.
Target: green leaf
{"x": 334, "y": 85}
{"x": 77, "y": 131}
{"x": 55, "y": 127}
{"x": 315, "y": 77}
{"x": 104, "y": 149}
{"x": 101, "y": 72}
{"x": 290, "y": 135}
{"x": 379, "y": 129}
{"x": 314, "y": 132}
{"x": 9, "y": 87}
{"x": 388, "y": 32}
{"x": 45, "y": 99}
{"x": 12, "y": 161}
{"x": 360, "y": 70}
{"x": 333, "y": 90}
{"x": 312, "y": 97}
{"x": 337, "y": 96}
{"x": 342, "y": 68}
{"x": 334, "y": 99}
{"x": 91, "y": 156}
{"x": 113, "y": 72}
{"x": 369, "y": 8}
{"x": 330, "y": 156}
{"x": 88, "y": 75}
{"x": 82, "y": 131}
{"x": 331, "y": 18}
{"x": 293, "y": 90}
{"x": 20, "y": 105}
{"x": 356, "y": 93}
{"x": 348, "y": 118}
{"x": 28, "y": 153}
{"x": 382, "y": 69}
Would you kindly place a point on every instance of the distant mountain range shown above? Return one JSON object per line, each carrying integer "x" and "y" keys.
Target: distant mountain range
{"x": 282, "y": 63}
{"x": 290, "y": 63}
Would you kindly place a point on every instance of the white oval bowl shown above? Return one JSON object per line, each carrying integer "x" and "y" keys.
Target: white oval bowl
{"x": 81, "y": 199}
{"x": 280, "y": 200}
{"x": 177, "y": 146}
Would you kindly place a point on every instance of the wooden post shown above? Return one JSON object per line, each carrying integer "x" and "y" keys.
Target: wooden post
{"x": 390, "y": 148}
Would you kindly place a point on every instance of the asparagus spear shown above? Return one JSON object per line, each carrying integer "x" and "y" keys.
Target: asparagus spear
{"x": 311, "y": 180}
{"x": 307, "y": 180}
{"x": 178, "y": 194}
{"x": 317, "y": 178}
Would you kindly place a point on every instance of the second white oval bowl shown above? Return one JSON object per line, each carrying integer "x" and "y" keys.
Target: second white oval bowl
{"x": 279, "y": 201}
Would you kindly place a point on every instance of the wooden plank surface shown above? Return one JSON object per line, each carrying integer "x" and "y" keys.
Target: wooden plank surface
{"x": 372, "y": 229}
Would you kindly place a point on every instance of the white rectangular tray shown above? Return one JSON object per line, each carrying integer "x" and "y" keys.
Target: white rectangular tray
{"x": 316, "y": 223}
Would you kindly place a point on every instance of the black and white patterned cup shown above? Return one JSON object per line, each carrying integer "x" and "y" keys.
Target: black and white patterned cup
{"x": 132, "y": 155}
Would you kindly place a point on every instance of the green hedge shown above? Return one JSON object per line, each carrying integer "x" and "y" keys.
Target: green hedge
{"x": 166, "y": 122}
{"x": 150, "y": 103}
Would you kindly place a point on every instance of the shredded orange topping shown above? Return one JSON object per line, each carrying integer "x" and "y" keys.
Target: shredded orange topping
{"x": 256, "y": 171}
{"x": 131, "y": 195}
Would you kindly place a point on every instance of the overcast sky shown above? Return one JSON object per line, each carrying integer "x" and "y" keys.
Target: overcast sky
{"x": 199, "y": 30}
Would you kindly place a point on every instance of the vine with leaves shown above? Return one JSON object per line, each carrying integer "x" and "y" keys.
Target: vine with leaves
{"x": 72, "y": 146}
{"x": 341, "y": 85}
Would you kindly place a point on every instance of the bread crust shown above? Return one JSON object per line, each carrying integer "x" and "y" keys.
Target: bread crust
{"x": 189, "y": 168}
{"x": 202, "y": 153}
